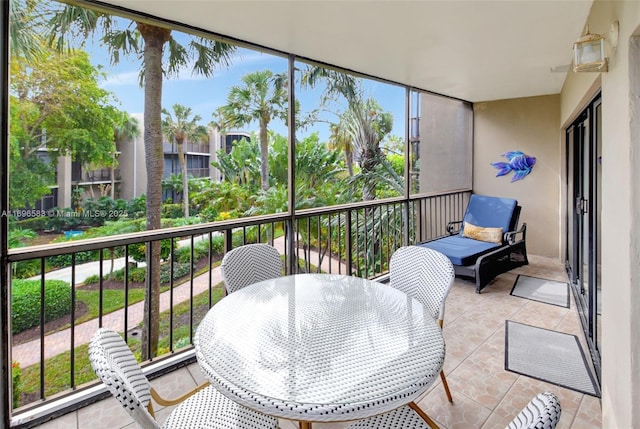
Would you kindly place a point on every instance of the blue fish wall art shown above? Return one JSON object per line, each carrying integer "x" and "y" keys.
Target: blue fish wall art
{"x": 519, "y": 163}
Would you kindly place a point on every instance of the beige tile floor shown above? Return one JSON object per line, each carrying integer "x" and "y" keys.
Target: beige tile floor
{"x": 485, "y": 395}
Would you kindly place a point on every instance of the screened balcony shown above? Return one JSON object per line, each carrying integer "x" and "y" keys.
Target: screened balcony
{"x": 458, "y": 107}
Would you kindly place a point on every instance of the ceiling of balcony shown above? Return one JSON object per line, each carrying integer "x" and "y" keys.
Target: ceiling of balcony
{"x": 476, "y": 50}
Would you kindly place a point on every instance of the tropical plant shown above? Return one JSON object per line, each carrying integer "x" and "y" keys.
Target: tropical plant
{"x": 340, "y": 139}
{"x": 174, "y": 184}
{"x": 239, "y": 166}
{"x": 25, "y": 30}
{"x": 147, "y": 41}
{"x": 17, "y": 235}
{"x": 261, "y": 98}
{"x": 183, "y": 128}
{"x": 360, "y": 128}
{"x": 57, "y": 108}
{"x": 224, "y": 197}
{"x": 367, "y": 126}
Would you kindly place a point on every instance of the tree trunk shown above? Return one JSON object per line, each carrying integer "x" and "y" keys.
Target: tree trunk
{"x": 112, "y": 176}
{"x": 154, "y": 40}
{"x": 264, "y": 154}
{"x": 185, "y": 178}
{"x": 348, "y": 154}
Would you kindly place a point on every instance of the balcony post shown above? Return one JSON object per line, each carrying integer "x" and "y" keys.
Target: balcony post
{"x": 291, "y": 235}
{"x": 5, "y": 364}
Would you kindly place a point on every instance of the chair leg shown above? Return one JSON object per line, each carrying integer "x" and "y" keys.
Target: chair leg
{"x": 444, "y": 380}
{"x": 446, "y": 386}
{"x": 304, "y": 425}
{"x": 424, "y": 415}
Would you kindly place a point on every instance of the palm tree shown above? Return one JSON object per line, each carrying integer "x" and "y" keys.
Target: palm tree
{"x": 147, "y": 41}
{"x": 180, "y": 129}
{"x": 361, "y": 127}
{"x": 24, "y": 35}
{"x": 262, "y": 97}
{"x": 126, "y": 128}
{"x": 340, "y": 139}
{"x": 367, "y": 125}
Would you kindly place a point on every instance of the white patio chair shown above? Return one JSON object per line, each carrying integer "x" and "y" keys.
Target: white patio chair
{"x": 542, "y": 412}
{"x": 426, "y": 275}
{"x": 250, "y": 264}
{"x": 202, "y": 408}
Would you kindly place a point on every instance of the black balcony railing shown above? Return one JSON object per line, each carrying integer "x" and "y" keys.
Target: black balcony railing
{"x": 187, "y": 147}
{"x": 356, "y": 239}
{"x": 198, "y": 172}
{"x": 93, "y": 176}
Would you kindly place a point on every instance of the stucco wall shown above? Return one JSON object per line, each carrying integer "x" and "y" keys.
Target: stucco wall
{"x": 530, "y": 125}
{"x": 620, "y": 236}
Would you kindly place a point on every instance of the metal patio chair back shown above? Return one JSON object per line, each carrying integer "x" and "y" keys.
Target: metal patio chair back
{"x": 248, "y": 264}
{"x": 426, "y": 275}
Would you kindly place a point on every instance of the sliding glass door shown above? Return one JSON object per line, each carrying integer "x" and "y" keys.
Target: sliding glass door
{"x": 584, "y": 165}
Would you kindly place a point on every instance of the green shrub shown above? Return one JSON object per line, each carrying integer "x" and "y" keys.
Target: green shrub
{"x": 62, "y": 261}
{"x": 182, "y": 254}
{"x": 181, "y": 342}
{"x": 64, "y": 219}
{"x": 95, "y": 278}
{"x": 137, "y": 207}
{"x": 138, "y": 251}
{"x": 172, "y": 211}
{"x": 179, "y": 270}
{"x": 34, "y": 223}
{"x": 217, "y": 244}
{"x": 137, "y": 275}
{"x": 25, "y": 305}
{"x": 26, "y": 269}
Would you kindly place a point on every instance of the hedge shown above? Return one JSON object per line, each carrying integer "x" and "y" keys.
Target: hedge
{"x": 25, "y": 302}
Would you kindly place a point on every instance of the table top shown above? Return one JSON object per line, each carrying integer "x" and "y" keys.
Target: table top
{"x": 320, "y": 347}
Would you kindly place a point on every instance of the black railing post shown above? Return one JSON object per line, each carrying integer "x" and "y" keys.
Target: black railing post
{"x": 228, "y": 240}
{"x": 348, "y": 244}
{"x": 5, "y": 368}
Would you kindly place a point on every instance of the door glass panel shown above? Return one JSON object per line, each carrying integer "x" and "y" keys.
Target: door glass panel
{"x": 597, "y": 215}
{"x": 585, "y": 237}
{"x": 570, "y": 200}
{"x": 584, "y": 189}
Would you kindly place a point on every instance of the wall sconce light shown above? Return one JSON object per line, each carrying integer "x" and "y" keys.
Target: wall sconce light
{"x": 588, "y": 51}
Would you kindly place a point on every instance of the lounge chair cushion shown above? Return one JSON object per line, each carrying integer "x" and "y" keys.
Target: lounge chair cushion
{"x": 461, "y": 250}
{"x": 490, "y": 211}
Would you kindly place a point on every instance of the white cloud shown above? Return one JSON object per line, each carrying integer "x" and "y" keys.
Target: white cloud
{"x": 120, "y": 79}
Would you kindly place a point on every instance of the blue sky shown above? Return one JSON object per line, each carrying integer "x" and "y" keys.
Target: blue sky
{"x": 205, "y": 95}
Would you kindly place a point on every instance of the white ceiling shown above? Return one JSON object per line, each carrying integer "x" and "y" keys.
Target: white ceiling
{"x": 475, "y": 50}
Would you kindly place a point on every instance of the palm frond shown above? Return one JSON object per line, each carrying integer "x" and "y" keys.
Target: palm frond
{"x": 209, "y": 54}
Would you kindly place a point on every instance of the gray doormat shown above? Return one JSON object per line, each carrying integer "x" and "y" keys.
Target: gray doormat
{"x": 542, "y": 290}
{"x": 549, "y": 356}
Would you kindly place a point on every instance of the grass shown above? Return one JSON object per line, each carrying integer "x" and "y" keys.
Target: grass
{"x": 112, "y": 300}
{"x": 57, "y": 374}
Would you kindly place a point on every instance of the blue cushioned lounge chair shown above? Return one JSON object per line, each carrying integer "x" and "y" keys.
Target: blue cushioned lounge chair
{"x": 484, "y": 260}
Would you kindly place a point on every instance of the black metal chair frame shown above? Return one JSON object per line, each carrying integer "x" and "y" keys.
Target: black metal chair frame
{"x": 512, "y": 254}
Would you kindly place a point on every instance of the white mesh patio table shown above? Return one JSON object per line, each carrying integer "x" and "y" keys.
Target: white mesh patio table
{"x": 320, "y": 347}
